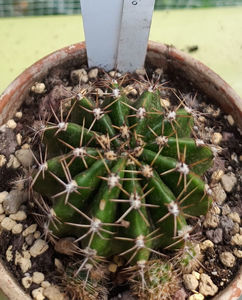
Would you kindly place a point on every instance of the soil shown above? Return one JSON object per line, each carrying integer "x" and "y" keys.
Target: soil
{"x": 208, "y": 120}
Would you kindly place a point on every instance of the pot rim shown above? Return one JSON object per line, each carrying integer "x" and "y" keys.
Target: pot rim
{"x": 208, "y": 81}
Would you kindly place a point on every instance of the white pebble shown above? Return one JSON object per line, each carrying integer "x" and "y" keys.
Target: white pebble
{"x": 8, "y": 223}
{"x": 9, "y": 253}
{"x": 238, "y": 253}
{"x": 38, "y": 294}
{"x": 92, "y": 74}
{"x": 13, "y": 162}
{"x": 37, "y": 234}
{"x": 23, "y": 261}
{"x": 53, "y": 293}
{"x": 2, "y": 217}
{"x": 217, "y": 175}
{"x": 206, "y": 244}
{"x": 19, "y": 114}
{"x": 39, "y": 247}
{"x": 19, "y": 216}
{"x": 3, "y": 160}
{"x": 25, "y": 146}
{"x": 31, "y": 229}
{"x": 230, "y": 120}
{"x": 227, "y": 259}
{"x": 211, "y": 220}
{"x": 25, "y": 157}
{"x": 17, "y": 229}
{"x": 27, "y": 281}
{"x": 228, "y": 181}
{"x": 190, "y": 281}
{"x": 3, "y": 196}
{"x": 45, "y": 284}
{"x": 19, "y": 139}
{"x": 1, "y": 209}
{"x": 197, "y": 296}
{"x": 38, "y": 277}
{"x": 206, "y": 286}
{"x": 11, "y": 124}
{"x": 234, "y": 216}
{"x": 237, "y": 239}
{"x": 216, "y": 138}
{"x": 38, "y": 88}
{"x": 29, "y": 239}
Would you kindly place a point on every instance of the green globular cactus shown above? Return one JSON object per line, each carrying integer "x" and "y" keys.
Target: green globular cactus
{"x": 122, "y": 175}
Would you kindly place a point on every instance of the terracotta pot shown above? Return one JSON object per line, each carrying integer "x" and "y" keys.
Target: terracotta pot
{"x": 158, "y": 55}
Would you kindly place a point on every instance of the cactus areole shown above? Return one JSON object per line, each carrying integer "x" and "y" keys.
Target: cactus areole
{"x": 122, "y": 175}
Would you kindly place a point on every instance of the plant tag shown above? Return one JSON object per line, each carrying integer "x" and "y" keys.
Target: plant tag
{"x": 117, "y": 32}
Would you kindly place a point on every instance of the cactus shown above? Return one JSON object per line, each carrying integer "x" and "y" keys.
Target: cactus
{"x": 122, "y": 175}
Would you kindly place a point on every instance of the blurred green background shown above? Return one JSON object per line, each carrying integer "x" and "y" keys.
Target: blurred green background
{"x": 10, "y": 8}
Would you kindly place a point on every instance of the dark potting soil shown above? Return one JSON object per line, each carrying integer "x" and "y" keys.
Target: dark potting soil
{"x": 59, "y": 86}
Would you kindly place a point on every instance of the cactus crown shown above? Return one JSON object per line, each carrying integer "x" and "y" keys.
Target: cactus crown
{"x": 122, "y": 174}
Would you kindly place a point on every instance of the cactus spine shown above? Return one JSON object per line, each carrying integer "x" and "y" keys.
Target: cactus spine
{"x": 122, "y": 175}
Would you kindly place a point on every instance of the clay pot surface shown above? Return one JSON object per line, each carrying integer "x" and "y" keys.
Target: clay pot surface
{"x": 158, "y": 55}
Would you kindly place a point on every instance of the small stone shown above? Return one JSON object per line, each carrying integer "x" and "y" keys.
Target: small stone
{"x": 3, "y": 160}
{"x": 25, "y": 157}
{"x": 236, "y": 240}
{"x": 206, "y": 244}
{"x": 215, "y": 209}
{"x": 13, "y": 201}
{"x": 206, "y": 286}
{"x": 219, "y": 194}
{"x": 31, "y": 229}
{"x": 197, "y": 296}
{"x": 45, "y": 284}
{"x": 141, "y": 71}
{"x": 227, "y": 259}
{"x": 114, "y": 74}
{"x": 29, "y": 239}
{"x": 23, "y": 261}
{"x": 99, "y": 92}
{"x": 37, "y": 234}
{"x": 79, "y": 76}
{"x": 38, "y": 277}
{"x": 228, "y": 181}
{"x": 19, "y": 139}
{"x": 3, "y": 196}
{"x": 216, "y": 138}
{"x": 235, "y": 229}
{"x": 13, "y": 162}
{"x": 8, "y": 224}
{"x": 215, "y": 235}
{"x": 226, "y": 210}
{"x": 112, "y": 267}
{"x": 39, "y": 247}
{"x": 217, "y": 175}
{"x": 235, "y": 217}
{"x": 19, "y": 216}
{"x": 38, "y": 294}
{"x": 38, "y": 88}
{"x": 240, "y": 230}
{"x": 190, "y": 281}
{"x": 2, "y": 217}
{"x": 27, "y": 281}
{"x": 11, "y": 124}
{"x": 17, "y": 229}
{"x": 230, "y": 120}
{"x": 9, "y": 253}
{"x": 211, "y": 220}
{"x": 53, "y": 293}
{"x": 25, "y": 146}
{"x": 202, "y": 119}
{"x": 130, "y": 90}
{"x": 59, "y": 265}
{"x": 196, "y": 274}
{"x": 1, "y": 209}
{"x": 92, "y": 74}
{"x": 238, "y": 253}
{"x": 19, "y": 114}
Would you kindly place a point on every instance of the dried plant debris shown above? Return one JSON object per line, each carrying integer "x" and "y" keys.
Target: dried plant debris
{"x": 113, "y": 180}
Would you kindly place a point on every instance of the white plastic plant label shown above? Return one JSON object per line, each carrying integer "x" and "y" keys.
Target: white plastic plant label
{"x": 117, "y": 32}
